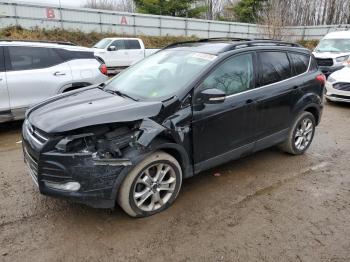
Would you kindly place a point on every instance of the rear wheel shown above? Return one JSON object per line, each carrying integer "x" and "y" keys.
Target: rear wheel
{"x": 152, "y": 186}
{"x": 300, "y": 135}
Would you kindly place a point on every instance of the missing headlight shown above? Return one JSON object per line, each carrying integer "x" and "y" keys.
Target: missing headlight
{"x": 75, "y": 143}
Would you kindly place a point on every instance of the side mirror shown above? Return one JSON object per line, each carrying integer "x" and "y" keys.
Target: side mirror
{"x": 112, "y": 48}
{"x": 211, "y": 96}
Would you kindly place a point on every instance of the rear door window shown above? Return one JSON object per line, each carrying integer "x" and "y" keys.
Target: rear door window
{"x": 274, "y": 67}
{"x": 29, "y": 58}
{"x": 300, "y": 63}
{"x": 133, "y": 44}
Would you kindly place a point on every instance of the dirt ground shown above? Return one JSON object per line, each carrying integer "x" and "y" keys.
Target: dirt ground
{"x": 266, "y": 207}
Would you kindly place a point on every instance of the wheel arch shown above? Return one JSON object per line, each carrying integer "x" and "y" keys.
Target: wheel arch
{"x": 309, "y": 103}
{"x": 159, "y": 143}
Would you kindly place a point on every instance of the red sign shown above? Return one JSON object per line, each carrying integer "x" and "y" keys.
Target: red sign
{"x": 50, "y": 13}
{"x": 123, "y": 21}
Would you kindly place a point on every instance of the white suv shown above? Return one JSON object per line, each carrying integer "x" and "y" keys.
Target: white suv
{"x": 33, "y": 71}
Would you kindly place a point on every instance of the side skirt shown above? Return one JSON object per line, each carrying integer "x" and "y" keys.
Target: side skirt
{"x": 243, "y": 151}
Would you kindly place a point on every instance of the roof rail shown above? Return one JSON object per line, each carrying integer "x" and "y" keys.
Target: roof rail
{"x": 238, "y": 42}
{"x": 203, "y": 40}
{"x": 39, "y": 41}
{"x": 261, "y": 42}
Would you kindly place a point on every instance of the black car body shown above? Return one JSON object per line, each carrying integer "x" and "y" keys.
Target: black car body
{"x": 96, "y": 137}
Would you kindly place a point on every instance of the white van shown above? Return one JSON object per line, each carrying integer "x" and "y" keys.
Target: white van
{"x": 333, "y": 52}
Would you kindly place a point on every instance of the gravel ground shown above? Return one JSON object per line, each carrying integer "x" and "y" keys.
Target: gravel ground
{"x": 266, "y": 207}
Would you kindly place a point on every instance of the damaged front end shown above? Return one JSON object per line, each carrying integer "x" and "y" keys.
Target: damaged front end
{"x": 86, "y": 164}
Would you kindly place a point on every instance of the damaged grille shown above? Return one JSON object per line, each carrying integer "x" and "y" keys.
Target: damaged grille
{"x": 35, "y": 134}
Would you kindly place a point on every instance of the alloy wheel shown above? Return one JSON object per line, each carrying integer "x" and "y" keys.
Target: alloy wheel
{"x": 304, "y": 133}
{"x": 154, "y": 187}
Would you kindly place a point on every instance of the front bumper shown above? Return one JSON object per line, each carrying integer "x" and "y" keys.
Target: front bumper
{"x": 98, "y": 181}
{"x": 336, "y": 95}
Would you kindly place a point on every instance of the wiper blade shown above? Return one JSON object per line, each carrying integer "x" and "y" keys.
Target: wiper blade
{"x": 117, "y": 92}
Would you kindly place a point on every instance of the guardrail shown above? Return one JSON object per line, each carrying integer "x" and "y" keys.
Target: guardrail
{"x": 51, "y": 16}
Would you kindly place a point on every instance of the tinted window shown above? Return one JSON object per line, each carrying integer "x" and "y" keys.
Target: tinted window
{"x": 313, "y": 65}
{"x": 27, "y": 58}
{"x": 67, "y": 55}
{"x": 274, "y": 67}
{"x": 119, "y": 44}
{"x": 300, "y": 63}
{"x": 2, "y": 60}
{"x": 233, "y": 76}
{"x": 133, "y": 44}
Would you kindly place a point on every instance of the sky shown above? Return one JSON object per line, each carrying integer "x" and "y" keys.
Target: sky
{"x": 63, "y": 2}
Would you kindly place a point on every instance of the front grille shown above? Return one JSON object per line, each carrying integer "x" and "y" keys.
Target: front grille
{"x": 32, "y": 166}
{"x": 324, "y": 61}
{"x": 342, "y": 86}
{"x": 35, "y": 133}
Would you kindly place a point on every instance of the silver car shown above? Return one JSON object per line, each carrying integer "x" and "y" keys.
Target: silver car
{"x": 31, "y": 72}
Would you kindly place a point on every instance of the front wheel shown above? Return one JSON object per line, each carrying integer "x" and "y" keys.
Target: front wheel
{"x": 152, "y": 186}
{"x": 300, "y": 135}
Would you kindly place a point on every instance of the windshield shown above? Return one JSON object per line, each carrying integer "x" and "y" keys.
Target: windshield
{"x": 333, "y": 45}
{"x": 161, "y": 75}
{"x": 103, "y": 44}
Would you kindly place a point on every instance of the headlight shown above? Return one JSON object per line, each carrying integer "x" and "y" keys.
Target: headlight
{"x": 343, "y": 59}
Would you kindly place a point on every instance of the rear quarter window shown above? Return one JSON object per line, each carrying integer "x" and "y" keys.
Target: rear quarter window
{"x": 300, "y": 63}
{"x": 274, "y": 67}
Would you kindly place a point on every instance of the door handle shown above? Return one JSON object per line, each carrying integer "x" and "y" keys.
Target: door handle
{"x": 295, "y": 87}
{"x": 59, "y": 74}
{"x": 249, "y": 101}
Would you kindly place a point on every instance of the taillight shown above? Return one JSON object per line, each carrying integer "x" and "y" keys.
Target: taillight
{"x": 321, "y": 79}
{"x": 103, "y": 69}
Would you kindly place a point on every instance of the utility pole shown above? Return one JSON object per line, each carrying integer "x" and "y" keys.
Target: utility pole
{"x": 60, "y": 8}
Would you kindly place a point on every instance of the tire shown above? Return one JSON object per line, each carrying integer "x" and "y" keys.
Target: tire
{"x": 146, "y": 191}
{"x": 299, "y": 133}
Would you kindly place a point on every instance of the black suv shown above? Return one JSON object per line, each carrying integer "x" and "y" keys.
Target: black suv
{"x": 187, "y": 108}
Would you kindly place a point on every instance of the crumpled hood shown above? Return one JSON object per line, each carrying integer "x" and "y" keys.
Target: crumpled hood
{"x": 89, "y": 107}
{"x": 329, "y": 54}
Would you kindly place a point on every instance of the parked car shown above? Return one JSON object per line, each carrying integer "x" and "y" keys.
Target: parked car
{"x": 133, "y": 139}
{"x": 338, "y": 86}
{"x": 120, "y": 53}
{"x": 31, "y": 72}
{"x": 333, "y": 52}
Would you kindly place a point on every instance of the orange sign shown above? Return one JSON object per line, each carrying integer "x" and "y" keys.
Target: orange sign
{"x": 50, "y": 13}
{"x": 123, "y": 21}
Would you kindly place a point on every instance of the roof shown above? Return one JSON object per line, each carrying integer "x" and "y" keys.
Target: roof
{"x": 338, "y": 35}
{"x": 60, "y": 45}
{"x": 216, "y": 46}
